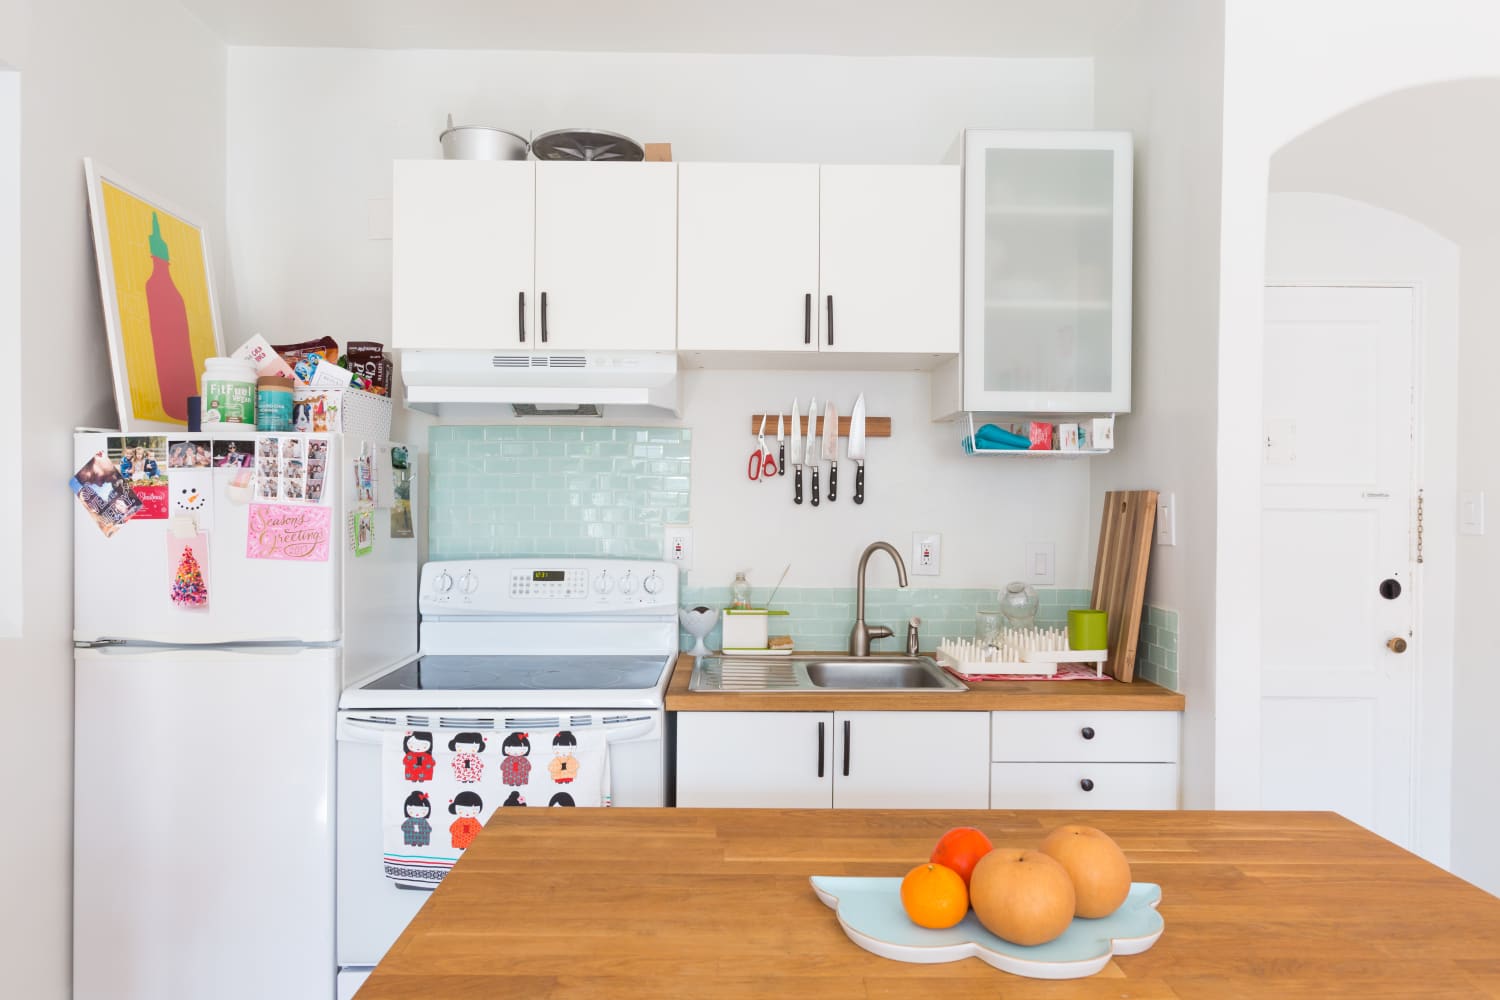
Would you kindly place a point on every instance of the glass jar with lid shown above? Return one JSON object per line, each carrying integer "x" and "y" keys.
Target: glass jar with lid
{"x": 1018, "y": 604}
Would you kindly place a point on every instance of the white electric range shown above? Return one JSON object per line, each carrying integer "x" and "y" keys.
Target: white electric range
{"x": 507, "y": 644}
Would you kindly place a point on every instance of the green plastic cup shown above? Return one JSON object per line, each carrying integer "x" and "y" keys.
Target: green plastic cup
{"x": 1088, "y": 629}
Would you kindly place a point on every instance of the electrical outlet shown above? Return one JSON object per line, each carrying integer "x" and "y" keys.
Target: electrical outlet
{"x": 1041, "y": 563}
{"x": 926, "y": 553}
{"x": 1166, "y": 519}
{"x": 677, "y": 545}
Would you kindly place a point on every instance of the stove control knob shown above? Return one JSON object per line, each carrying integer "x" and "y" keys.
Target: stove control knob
{"x": 652, "y": 584}
{"x": 603, "y": 584}
{"x": 469, "y": 582}
{"x": 443, "y": 583}
{"x": 627, "y": 583}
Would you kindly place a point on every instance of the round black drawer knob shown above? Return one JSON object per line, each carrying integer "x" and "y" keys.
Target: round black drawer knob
{"x": 1087, "y": 732}
{"x": 1087, "y": 784}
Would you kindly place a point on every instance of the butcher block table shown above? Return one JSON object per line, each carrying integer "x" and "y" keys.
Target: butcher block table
{"x": 695, "y": 903}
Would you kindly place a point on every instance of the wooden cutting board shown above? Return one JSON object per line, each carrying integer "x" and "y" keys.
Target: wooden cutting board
{"x": 1120, "y": 573}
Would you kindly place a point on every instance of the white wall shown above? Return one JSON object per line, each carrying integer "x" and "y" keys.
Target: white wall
{"x": 1163, "y": 82}
{"x": 1476, "y": 801}
{"x": 12, "y": 602}
{"x": 312, "y": 133}
{"x": 140, "y": 86}
{"x": 1325, "y": 239}
{"x": 1288, "y": 65}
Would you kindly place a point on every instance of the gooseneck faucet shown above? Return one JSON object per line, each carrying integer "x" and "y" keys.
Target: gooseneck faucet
{"x": 859, "y": 639}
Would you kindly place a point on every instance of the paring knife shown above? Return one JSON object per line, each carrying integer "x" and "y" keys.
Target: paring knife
{"x": 797, "y": 451}
{"x": 857, "y": 446}
{"x": 780, "y": 448}
{"x": 831, "y": 449}
{"x": 812, "y": 443}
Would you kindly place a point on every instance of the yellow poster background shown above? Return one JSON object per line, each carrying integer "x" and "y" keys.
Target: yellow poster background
{"x": 128, "y": 223}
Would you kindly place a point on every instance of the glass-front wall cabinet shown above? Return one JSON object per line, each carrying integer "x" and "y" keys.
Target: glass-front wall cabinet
{"x": 1047, "y": 271}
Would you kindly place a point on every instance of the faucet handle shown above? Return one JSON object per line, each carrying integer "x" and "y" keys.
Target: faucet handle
{"x": 879, "y": 631}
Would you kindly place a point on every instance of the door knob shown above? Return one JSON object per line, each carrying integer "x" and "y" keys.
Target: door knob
{"x": 1396, "y": 644}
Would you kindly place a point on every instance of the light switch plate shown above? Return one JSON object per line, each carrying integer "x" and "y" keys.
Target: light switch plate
{"x": 1041, "y": 563}
{"x": 677, "y": 545}
{"x": 1166, "y": 519}
{"x": 926, "y": 553}
{"x": 1471, "y": 512}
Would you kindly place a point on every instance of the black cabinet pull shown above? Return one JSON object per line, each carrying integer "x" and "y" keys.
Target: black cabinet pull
{"x": 807, "y": 318}
{"x": 1087, "y": 784}
{"x": 521, "y": 316}
{"x": 846, "y": 748}
{"x": 830, "y": 321}
{"x": 544, "y": 317}
{"x": 1087, "y": 732}
{"x": 820, "y": 749}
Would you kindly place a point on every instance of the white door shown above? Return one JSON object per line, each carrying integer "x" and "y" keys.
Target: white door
{"x": 755, "y": 759}
{"x": 889, "y": 259}
{"x": 911, "y": 760}
{"x": 461, "y": 255}
{"x": 1338, "y": 555}
{"x": 606, "y": 256}
{"x": 747, "y": 256}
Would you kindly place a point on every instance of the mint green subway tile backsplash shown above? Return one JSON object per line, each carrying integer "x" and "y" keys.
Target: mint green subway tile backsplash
{"x": 536, "y": 490}
{"x": 821, "y": 617}
{"x": 1156, "y": 653}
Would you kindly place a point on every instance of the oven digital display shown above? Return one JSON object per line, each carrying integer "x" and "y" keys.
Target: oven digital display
{"x": 548, "y": 575}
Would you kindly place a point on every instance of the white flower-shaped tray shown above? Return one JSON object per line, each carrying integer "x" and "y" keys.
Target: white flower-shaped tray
{"x": 869, "y": 910}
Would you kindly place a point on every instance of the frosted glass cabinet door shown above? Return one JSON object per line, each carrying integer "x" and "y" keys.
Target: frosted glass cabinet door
{"x": 1047, "y": 260}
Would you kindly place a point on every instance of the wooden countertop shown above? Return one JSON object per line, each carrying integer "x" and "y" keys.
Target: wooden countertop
{"x": 693, "y": 903}
{"x": 983, "y": 696}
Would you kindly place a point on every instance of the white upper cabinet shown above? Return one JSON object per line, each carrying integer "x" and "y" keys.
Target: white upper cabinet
{"x": 517, "y": 255}
{"x": 461, "y": 254}
{"x": 856, "y": 261}
{"x": 1047, "y": 272}
{"x": 747, "y": 242}
{"x": 889, "y": 262}
{"x": 606, "y": 256}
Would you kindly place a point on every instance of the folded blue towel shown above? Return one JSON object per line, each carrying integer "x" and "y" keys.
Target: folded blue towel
{"x": 992, "y": 446}
{"x": 990, "y": 436}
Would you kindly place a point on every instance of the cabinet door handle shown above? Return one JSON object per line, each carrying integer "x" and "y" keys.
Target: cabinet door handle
{"x": 521, "y": 316}
{"x": 1087, "y": 784}
{"x": 807, "y": 318}
{"x": 544, "y": 317}
{"x": 820, "y": 749}
{"x": 846, "y": 748}
{"x": 1087, "y": 732}
{"x": 830, "y": 321}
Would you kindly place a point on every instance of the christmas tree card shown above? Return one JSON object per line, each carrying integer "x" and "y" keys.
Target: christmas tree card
{"x": 187, "y": 565}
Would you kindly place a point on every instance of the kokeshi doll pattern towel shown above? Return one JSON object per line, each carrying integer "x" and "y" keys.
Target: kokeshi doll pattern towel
{"x": 439, "y": 788}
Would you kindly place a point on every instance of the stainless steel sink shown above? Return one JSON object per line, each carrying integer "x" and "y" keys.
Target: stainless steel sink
{"x": 821, "y": 673}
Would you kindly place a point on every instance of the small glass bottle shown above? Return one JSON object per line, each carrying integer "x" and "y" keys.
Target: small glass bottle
{"x": 1018, "y": 603}
{"x": 739, "y": 592}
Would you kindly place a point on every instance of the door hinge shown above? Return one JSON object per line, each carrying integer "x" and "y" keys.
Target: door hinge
{"x": 1419, "y": 527}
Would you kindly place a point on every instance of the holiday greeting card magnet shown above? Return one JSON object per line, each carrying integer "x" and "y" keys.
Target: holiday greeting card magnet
{"x": 105, "y": 494}
{"x": 285, "y": 531}
{"x": 190, "y": 492}
{"x": 364, "y": 532}
{"x": 187, "y": 565}
{"x": 159, "y": 308}
{"x": 142, "y": 461}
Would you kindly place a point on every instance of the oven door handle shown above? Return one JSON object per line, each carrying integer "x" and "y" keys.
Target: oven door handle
{"x": 359, "y": 731}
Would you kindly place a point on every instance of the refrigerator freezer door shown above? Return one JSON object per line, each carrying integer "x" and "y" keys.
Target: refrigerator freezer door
{"x": 123, "y": 583}
{"x": 203, "y": 827}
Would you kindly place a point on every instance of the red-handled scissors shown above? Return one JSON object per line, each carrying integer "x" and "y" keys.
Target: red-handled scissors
{"x": 762, "y": 462}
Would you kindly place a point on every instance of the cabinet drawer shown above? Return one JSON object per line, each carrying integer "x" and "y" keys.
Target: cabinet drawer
{"x": 1083, "y": 786}
{"x": 1149, "y": 737}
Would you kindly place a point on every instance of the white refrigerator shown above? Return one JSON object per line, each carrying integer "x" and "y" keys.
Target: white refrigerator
{"x": 221, "y": 603}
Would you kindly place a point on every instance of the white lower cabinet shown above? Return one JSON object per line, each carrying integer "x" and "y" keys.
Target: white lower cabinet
{"x": 851, "y": 760}
{"x": 1084, "y": 760}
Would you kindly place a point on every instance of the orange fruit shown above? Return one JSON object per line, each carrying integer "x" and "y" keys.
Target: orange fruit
{"x": 934, "y": 896}
{"x": 960, "y": 849}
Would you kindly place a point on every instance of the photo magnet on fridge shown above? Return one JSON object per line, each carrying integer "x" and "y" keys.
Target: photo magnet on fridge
{"x": 142, "y": 462}
{"x": 105, "y": 494}
{"x": 190, "y": 454}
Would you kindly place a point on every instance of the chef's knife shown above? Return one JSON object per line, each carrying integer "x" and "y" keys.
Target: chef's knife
{"x": 831, "y": 449}
{"x": 812, "y": 443}
{"x": 780, "y": 448}
{"x": 797, "y": 451}
{"x": 857, "y": 446}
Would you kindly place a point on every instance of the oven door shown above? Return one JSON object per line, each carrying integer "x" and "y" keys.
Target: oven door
{"x": 372, "y": 909}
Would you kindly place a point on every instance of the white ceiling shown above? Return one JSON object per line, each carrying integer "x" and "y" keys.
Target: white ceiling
{"x": 1012, "y": 28}
{"x": 1430, "y": 153}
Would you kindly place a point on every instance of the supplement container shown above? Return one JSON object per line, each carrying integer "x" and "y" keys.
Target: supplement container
{"x": 273, "y": 403}
{"x": 228, "y": 391}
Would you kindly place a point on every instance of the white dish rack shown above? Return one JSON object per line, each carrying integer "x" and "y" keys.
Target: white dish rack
{"x": 1035, "y": 651}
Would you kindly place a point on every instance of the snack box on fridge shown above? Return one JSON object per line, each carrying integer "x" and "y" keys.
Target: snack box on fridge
{"x": 350, "y": 411}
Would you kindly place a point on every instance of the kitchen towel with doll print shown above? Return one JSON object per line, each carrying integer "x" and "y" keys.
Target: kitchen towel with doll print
{"x": 439, "y": 787}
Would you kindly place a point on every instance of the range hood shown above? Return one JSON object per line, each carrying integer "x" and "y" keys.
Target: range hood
{"x": 542, "y": 384}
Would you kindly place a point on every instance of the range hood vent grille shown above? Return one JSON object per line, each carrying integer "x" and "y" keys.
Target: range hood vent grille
{"x": 538, "y": 361}
{"x": 510, "y": 361}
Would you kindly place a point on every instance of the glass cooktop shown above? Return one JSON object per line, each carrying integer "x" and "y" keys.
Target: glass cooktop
{"x": 523, "y": 673}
